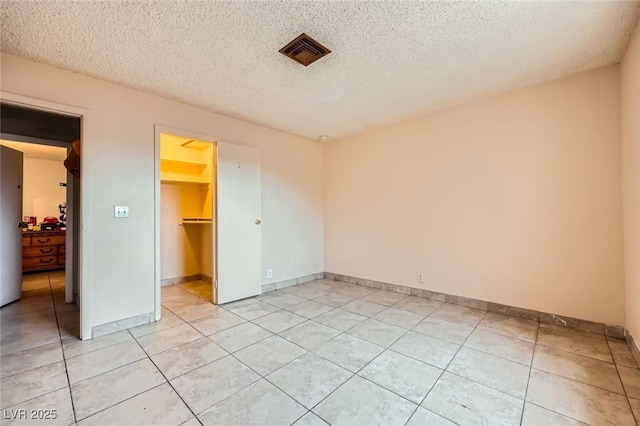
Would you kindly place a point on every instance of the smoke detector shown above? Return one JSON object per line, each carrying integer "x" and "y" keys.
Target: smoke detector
{"x": 304, "y": 50}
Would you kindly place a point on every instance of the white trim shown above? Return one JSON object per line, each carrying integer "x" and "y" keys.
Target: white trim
{"x": 41, "y": 104}
{"x": 83, "y": 261}
{"x": 158, "y": 130}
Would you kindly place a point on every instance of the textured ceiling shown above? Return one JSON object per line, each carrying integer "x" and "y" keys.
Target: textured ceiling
{"x": 389, "y": 60}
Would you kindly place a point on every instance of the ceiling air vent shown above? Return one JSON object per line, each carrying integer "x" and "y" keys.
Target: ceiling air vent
{"x": 305, "y": 50}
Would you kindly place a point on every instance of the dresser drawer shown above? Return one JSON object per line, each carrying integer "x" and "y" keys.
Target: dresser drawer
{"x": 61, "y": 260}
{"x": 36, "y": 262}
{"x": 40, "y": 251}
{"x": 26, "y": 241}
{"x": 62, "y": 249}
{"x": 47, "y": 241}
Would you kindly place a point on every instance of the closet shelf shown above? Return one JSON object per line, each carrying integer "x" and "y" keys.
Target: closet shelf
{"x": 170, "y": 161}
{"x": 196, "y": 220}
{"x": 184, "y": 180}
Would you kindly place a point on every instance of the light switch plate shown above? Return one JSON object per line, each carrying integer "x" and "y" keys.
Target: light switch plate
{"x": 121, "y": 211}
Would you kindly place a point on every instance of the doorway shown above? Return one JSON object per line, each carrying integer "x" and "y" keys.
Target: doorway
{"x": 37, "y": 135}
{"x": 187, "y": 214}
{"x": 208, "y": 210}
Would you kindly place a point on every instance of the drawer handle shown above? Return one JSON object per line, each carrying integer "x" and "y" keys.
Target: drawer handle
{"x": 45, "y": 261}
{"x": 47, "y": 251}
{"x": 43, "y": 242}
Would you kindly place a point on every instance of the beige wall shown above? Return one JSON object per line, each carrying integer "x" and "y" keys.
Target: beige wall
{"x": 514, "y": 199}
{"x": 42, "y": 191}
{"x": 180, "y": 245}
{"x": 631, "y": 181}
{"x": 43, "y": 171}
{"x": 118, "y": 169}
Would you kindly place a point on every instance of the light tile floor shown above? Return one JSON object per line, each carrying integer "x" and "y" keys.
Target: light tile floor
{"x": 319, "y": 353}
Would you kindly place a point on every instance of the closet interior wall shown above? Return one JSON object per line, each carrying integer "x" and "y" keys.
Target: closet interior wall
{"x": 187, "y": 175}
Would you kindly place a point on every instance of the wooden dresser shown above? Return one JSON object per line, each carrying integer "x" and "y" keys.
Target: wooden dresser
{"x": 43, "y": 250}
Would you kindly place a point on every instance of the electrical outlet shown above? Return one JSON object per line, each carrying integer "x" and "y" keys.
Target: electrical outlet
{"x": 269, "y": 273}
{"x": 121, "y": 211}
{"x": 419, "y": 277}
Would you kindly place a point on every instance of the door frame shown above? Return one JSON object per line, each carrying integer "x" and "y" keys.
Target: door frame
{"x": 158, "y": 130}
{"x": 84, "y": 290}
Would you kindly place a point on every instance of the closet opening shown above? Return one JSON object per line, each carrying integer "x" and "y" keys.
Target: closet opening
{"x": 40, "y": 229}
{"x": 188, "y": 214}
{"x": 208, "y": 208}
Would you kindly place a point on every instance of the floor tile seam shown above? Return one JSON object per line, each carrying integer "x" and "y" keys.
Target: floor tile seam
{"x": 68, "y": 386}
{"x": 263, "y": 315}
{"x": 624, "y": 395}
{"x": 555, "y": 412}
{"x": 260, "y": 377}
{"x": 183, "y": 344}
{"x": 20, "y": 333}
{"x": 389, "y": 390}
{"x": 540, "y": 323}
{"x": 38, "y": 396}
{"x": 282, "y": 331}
{"x": 194, "y": 369}
{"x": 271, "y": 334}
{"x": 387, "y": 348}
{"x": 108, "y": 371}
{"x": 116, "y": 404}
{"x": 443, "y": 371}
{"x": 312, "y": 351}
{"x": 522, "y": 399}
{"x": 624, "y": 388}
{"x": 633, "y": 413}
{"x": 198, "y": 318}
{"x": 58, "y": 339}
{"x": 48, "y": 362}
{"x": 389, "y": 323}
{"x": 163, "y": 376}
{"x": 112, "y": 369}
{"x": 64, "y": 360}
{"x": 291, "y": 396}
{"x": 93, "y": 350}
{"x": 505, "y": 333}
{"x": 526, "y": 390}
{"x": 502, "y": 357}
{"x": 310, "y": 300}
{"x": 575, "y": 353}
{"x": 190, "y": 325}
{"x": 587, "y": 357}
{"x": 571, "y": 334}
{"x": 296, "y": 420}
{"x": 635, "y": 366}
{"x": 28, "y": 313}
{"x": 157, "y": 331}
{"x": 435, "y": 337}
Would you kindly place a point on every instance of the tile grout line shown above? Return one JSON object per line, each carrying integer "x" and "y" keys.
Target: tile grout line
{"x": 624, "y": 388}
{"x": 340, "y": 332}
{"x": 346, "y": 332}
{"x": 59, "y": 341}
{"x": 445, "y": 370}
{"x": 380, "y": 354}
{"x": 526, "y": 390}
{"x": 306, "y": 352}
{"x": 64, "y": 359}
{"x": 163, "y": 375}
{"x": 387, "y": 348}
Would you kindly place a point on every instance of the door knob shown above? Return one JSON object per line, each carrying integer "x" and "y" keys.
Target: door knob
{"x": 258, "y": 222}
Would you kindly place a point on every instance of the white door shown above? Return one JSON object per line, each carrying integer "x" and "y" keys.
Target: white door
{"x": 239, "y": 205}
{"x": 10, "y": 233}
